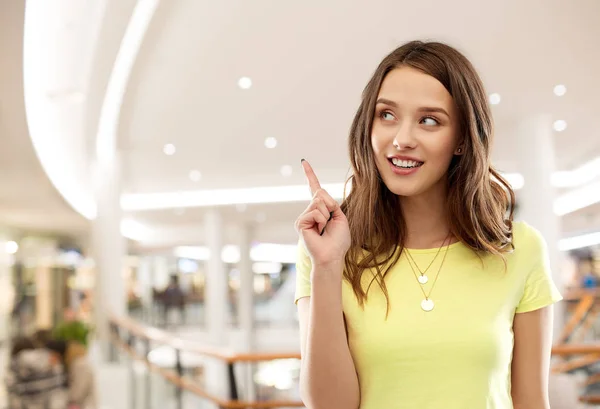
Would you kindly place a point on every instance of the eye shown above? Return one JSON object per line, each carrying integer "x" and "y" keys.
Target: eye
{"x": 429, "y": 121}
{"x": 386, "y": 116}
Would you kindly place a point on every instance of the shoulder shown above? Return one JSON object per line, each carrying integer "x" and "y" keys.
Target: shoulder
{"x": 530, "y": 255}
{"x": 527, "y": 239}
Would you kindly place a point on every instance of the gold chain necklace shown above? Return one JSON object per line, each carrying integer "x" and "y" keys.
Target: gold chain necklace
{"x": 423, "y": 279}
{"x": 427, "y": 304}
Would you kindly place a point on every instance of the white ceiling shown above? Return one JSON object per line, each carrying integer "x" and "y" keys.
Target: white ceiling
{"x": 309, "y": 61}
{"x": 28, "y": 201}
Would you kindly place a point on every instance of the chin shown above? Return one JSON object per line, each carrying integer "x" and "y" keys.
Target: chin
{"x": 405, "y": 189}
{"x": 411, "y": 187}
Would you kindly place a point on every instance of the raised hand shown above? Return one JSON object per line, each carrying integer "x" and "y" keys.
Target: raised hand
{"x": 323, "y": 226}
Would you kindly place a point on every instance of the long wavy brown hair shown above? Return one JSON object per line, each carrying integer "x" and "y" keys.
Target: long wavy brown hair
{"x": 480, "y": 200}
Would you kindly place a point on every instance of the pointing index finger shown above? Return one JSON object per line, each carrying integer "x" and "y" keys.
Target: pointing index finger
{"x": 313, "y": 182}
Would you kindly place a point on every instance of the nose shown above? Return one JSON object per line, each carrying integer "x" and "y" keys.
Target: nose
{"x": 404, "y": 137}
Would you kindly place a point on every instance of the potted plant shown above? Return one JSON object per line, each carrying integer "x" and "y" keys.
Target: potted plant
{"x": 72, "y": 331}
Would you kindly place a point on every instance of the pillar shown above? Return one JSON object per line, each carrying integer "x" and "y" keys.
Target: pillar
{"x": 44, "y": 299}
{"x": 160, "y": 272}
{"x": 108, "y": 249}
{"x": 536, "y": 156}
{"x": 7, "y": 290}
{"x": 145, "y": 280}
{"x": 217, "y": 292}
{"x": 216, "y": 298}
{"x": 245, "y": 309}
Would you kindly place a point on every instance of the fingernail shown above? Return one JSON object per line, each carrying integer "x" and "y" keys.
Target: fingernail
{"x": 302, "y": 160}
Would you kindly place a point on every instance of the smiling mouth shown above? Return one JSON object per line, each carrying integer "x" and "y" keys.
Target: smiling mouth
{"x": 405, "y": 164}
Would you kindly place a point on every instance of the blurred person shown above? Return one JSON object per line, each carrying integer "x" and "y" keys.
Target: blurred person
{"x": 81, "y": 379}
{"x": 42, "y": 336}
{"x": 588, "y": 278}
{"x": 35, "y": 378}
{"x": 173, "y": 297}
{"x": 419, "y": 291}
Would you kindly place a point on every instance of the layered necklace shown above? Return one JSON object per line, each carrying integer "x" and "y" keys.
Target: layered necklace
{"x": 427, "y": 304}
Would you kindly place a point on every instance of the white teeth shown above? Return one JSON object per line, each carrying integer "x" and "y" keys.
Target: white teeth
{"x": 406, "y": 163}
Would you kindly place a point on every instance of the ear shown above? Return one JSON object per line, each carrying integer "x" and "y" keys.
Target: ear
{"x": 459, "y": 150}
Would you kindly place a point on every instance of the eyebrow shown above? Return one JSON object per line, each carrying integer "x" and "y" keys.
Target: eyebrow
{"x": 421, "y": 109}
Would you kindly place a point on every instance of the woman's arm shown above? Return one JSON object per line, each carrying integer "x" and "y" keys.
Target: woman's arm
{"x": 328, "y": 377}
{"x": 531, "y": 359}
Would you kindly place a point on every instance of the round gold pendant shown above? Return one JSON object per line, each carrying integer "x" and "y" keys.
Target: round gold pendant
{"x": 427, "y": 305}
{"x": 423, "y": 279}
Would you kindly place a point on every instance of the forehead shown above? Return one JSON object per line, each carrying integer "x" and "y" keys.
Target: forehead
{"x": 409, "y": 86}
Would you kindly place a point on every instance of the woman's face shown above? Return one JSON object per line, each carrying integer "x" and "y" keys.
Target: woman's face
{"x": 415, "y": 132}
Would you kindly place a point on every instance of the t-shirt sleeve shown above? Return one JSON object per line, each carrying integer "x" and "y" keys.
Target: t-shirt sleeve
{"x": 540, "y": 289}
{"x": 303, "y": 269}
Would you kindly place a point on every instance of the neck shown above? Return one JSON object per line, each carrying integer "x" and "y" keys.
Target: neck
{"x": 426, "y": 219}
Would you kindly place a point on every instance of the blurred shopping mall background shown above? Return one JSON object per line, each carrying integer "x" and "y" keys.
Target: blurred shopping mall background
{"x": 149, "y": 173}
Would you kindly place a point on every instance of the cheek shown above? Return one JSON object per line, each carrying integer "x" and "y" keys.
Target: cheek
{"x": 379, "y": 140}
{"x": 443, "y": 151}
{"x": 375, "y": 143}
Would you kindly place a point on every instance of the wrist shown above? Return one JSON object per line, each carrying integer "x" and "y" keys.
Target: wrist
{"x": 330, "y": 269}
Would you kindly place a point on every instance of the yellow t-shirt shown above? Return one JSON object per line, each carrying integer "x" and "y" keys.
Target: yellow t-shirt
{"x": 457, "y": 356}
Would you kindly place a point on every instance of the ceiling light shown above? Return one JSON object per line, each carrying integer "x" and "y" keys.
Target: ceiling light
{"x": 577, "y": 199}
{"x": 230, "y": 254}
{"x": 578, "y": 242}
{"x": 224, "y": 197}
{"x": 244, "y": 83}
{"x": 560, "y": 125}
{"x": 579, "y": 176}
{"x": 515, "y": 180}
{"x": 560, "y": 90}
{"x": 270, "y": 142}
{"x": 495, "y": 99}
{"x": 266, "y": 267}
{"x": 195, "y": 175}
{"x": 11, "y": 247}
{"x": 135, "y": 230}
{"x": 286, "y": 170}
{"x": 261, "y": 252}
{"x": 169, "y": 149}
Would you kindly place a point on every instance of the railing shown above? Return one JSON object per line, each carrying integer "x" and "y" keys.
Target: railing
{"x": 128, "y": 335}
{"x": 571, "y": 353}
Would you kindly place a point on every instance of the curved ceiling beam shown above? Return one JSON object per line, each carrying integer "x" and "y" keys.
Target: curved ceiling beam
{"x": 106, "y": 139}
{"x": 58, "y": 45}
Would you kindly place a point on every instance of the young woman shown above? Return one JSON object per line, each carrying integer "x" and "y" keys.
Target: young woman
{"x": 419, "y": 292}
